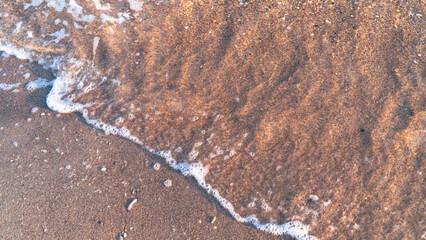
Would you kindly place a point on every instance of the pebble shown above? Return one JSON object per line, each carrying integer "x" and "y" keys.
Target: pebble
{"x": 15, "y": 144}
{"x": 157, "y": 166}
{"x": 34, "y": 109}
{"x": 102, "y": 168}
{"x": 168, "y": 183}
{"x": 314, "y": 197}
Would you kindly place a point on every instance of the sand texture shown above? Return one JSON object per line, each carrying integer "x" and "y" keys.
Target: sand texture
{"x": 301, "y": 111}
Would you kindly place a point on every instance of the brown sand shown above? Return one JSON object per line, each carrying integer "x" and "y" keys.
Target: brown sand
{"x": 51, "y": 185}
{"x": 329, "y": 93}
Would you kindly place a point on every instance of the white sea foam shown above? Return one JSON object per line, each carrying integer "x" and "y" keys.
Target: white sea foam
{"x": 18, "y": 27}
{"x": 59, "y": 35}
{"x": 34, "y": 3}
{"x": 106, "y": 18}
{"x": 59, "y": 5}
{"x": 18, "y": 52}
{"x": 135, "y": 5}
{"x": 63, "y": 83}
{"x": 26, "y": 75}
{"x": 99, "y": 6}
{"x": 6, "y": 86}
{"x": 38, "y": 83}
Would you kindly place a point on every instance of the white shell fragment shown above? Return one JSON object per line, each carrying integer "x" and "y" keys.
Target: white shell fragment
{"x": 130, "y": 206}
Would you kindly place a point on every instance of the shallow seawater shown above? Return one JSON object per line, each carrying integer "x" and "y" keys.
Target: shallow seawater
{"x": 300, "y": 118}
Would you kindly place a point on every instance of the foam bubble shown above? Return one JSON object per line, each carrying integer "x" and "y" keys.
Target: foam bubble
{"x": 34, "y": 3}
{"x": 20, "y": 53}
{"x": 135, "y": 5}
{"x": 76, "y": 73}
{"x": 193, "y": 155}
{"x": 38, "y": 83}
{"x": 99, "y": 6}
{"x": 59, "y": 35}
{"x": 6, "y": 87}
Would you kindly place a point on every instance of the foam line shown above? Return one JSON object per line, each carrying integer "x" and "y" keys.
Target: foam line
{"x": 196, "y": 170}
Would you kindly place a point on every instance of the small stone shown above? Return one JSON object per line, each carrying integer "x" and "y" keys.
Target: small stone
{"x": 102, "y": 168}
{"x": 157, "y": 166}
{"x": 15, "y": 144}
{"x": 314, "y": 197}
{"x": 68, "y": 166}
{"x": 34, "y": 109}
{"x": 168, "y": 183}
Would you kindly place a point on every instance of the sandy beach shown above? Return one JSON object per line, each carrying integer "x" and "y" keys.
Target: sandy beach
{"x": 305, "y": 118}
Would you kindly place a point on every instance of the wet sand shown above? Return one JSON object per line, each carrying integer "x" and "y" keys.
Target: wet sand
{"x": 52, "y": 185}
{"x": 302, "y": 111}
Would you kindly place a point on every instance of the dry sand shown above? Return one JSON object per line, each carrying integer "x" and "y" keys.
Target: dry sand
{"x": 52, "y": 185}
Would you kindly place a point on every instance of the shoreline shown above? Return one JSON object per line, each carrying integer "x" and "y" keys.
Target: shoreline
{"x": 65, "y": 179}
